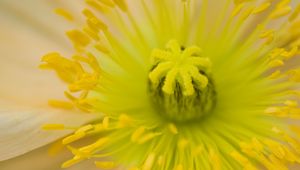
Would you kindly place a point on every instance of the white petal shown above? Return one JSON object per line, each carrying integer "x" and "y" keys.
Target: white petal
{"x": 20, "y": 127}
{"x": 24, "y": 89}
{"x": 39, "y": 159}
{"x": 20, "y": 52}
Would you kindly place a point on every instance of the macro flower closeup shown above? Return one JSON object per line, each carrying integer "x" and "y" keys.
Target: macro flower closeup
{"x": 165, "y": 85}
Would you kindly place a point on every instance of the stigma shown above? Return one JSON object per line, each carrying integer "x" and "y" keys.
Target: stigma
{"x": 180, "y": 84}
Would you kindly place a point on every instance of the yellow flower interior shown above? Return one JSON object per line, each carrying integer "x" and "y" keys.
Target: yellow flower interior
{"x": 246, "y": 45}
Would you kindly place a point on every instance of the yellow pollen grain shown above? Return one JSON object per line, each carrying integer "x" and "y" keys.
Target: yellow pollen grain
{"x": 160, "y": 160}
{"x": 257, "y": 144}
{"x": 105, "y": 164}
{"x": 55, "y": 148}
{"x": 105, "y": 122}
{"x": 78, "y": 37}
{"x": 73, "y": 138}
{"x": 121, "y": 4}
{"x": 95, "y": 146}
{"x": 91, "y": 33}
{"x": 71, "y": 162}
{"x": 65, "y": 68}
{"x": 179, "y": 167}
{"x": 275, "y": 74}
{"x": 173, "y": 129}
{"x": 93, "y": 22}
{"x": 134, "y": 168}
{"x": 100, "y": 47}
{"x": 87, "y": 13}
{"x": 108, "y": 3}
{"x": 294, "y": 75}
{"x": 276, "y": 52}
{"x": 291, "y": 103}
{"x": 283, "y": 3}
{"x": 276, "y": 63}
{"x": 95, "y": 4}
{"x": 292, "y": 142}
{"x": 272, "y": 110}
{"x": 64, "y": 13}
{"x": 214, "y": 159}
{"x": 268, "y": 35}
{"x": 240, "y": 1}
{"x": 261, "y": 8}
{"x": 275, "y": 148}
{"x": 182, "y": 144}
{"x": 124, "y": 121}
{"x": 198, "y": 150}
{"x": 276, "y": 130}
{"x": 149, "y": 162}
{"x": 84, "y": 128}
{"x": 280, "y": 12}
{"x": 137, "y": 133}
{"x": 295, "y": 14}
{"x": 238, "y": 157}
{"x": 295, "y": 129}
{"x": 53, "y": 127}
{"x": 60, "y": 104}
{"x": 237, "y": 9}
{"x": 246, "y": 13}
{"x": 291, "y": 53}
{"x": 148, "y": 137}
{"x": 82, "y": 102}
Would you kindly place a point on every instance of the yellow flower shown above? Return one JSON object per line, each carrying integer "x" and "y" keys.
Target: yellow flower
{"x": 183, "y": 84}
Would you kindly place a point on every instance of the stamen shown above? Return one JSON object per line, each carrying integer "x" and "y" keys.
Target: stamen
{"x": 173, "y": 128}
{"x": 93, "y": 22}
{"x": 71, "y": 162}
{"x": 161, "y": 160}
{"x": 145, "y": 138}
{"x": 261, "y": 8}
{"x": 282, "y": 9}
{"x": 66, "y": 14}
{"x": 53, "y": 127}
{"x": 60, "y": 104}
{"x": 243, "y": 161}
{"x": 105, "y": 165}
{"x": 95, "y": 4}
{"x": 182, "y": 144}
{"x": 105, "y": 122}
{"x": 124, "y": 121}
{"x": 108, "y": 3}
{"x": 214, "y": 159}
{"x": 149, "y": 162}
{"x": 78, "y": 38}
{"x": 137, "y": 134}
{"x": 73, "y": 138}
{"x": 179, "y": 167}
{"x": 121, "y": 4}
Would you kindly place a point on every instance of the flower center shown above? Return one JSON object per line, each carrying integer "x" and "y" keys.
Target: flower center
{"x": 180, "y": 85}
